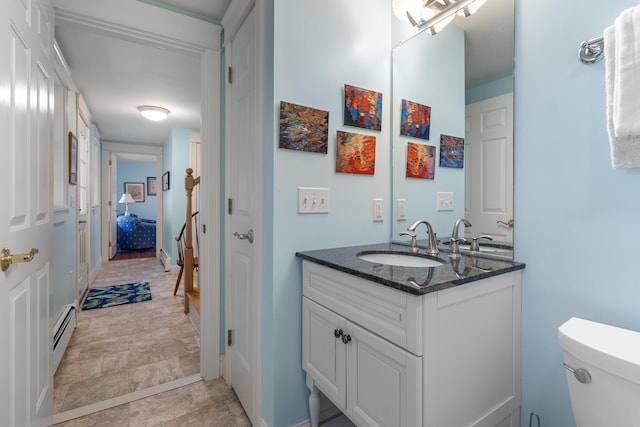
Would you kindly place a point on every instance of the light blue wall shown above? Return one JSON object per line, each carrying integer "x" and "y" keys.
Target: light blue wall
{"x": 137, "y": 172}
{"x": 318, "y": 48}
{"x": 176, "y": 159}
{"x": 63, "y": 262}
{"x": 489, "y": 90}
{"x": 576, "y": 219}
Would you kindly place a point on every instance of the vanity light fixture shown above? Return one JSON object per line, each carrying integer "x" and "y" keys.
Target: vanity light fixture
{"x": 154, "y": 113}
{"x": 434, "y": 15}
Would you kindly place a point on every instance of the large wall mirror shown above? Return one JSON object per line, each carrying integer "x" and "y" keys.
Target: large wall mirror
{"x": 464, "y": 74}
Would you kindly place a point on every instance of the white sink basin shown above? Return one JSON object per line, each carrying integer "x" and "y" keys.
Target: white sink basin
{"x": 399, "y": 259}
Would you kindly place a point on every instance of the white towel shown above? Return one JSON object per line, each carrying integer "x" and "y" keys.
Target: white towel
{"x": 622, "y": 75}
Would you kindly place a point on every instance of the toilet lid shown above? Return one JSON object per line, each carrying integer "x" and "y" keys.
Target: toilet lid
{"x": 613, "y": 349}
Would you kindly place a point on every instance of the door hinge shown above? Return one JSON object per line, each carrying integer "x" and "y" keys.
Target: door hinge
{"x": 204, "y": 228}
{"x": 109, "y": 162}
{"x": 229, "y": 206}
{"x": 229, "y": 340}
{"x": 230, "y": 75}
{"x": 109, "y": 202}
{"x": 109, "y": 244}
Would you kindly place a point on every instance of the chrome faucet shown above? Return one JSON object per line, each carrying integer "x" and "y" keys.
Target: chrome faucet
{"x": 432, "y": 248}
{"x": 454, "y": 249}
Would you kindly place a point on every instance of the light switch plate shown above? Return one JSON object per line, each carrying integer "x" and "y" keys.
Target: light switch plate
{"x": 445, "y": 202}
{"x": 401, "y": 205}
{"x": 313, "y": 200}
{"x": 378, "y": 209}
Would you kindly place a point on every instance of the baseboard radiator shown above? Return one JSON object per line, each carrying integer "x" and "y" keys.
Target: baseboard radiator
{"x": 165, "y": 260}
{"x": 62, "y": 331}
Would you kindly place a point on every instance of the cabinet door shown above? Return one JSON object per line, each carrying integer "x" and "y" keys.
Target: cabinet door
{"x": 324, "y": 354}
{"x": 384, "y": 382}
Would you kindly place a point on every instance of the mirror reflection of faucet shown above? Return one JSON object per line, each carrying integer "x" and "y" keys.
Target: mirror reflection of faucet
{"x": 454, "y": 249}
{"x": 413, "y": 282}
{"x": 475, "y": 246}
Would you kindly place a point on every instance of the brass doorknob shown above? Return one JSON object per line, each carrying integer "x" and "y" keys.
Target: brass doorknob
{"x": 508, "y": 223}
{"x": 6, "y": 258}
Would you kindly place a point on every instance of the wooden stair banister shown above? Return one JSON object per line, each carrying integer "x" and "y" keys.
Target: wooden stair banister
{"x": 189, "y": 293}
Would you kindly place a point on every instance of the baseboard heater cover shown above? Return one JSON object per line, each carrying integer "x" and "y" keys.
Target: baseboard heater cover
{"x": 62, "y": 331}
{"x": 165, "y": 260}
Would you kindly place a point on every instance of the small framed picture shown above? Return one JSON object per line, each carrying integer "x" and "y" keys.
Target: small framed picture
{"x": 151, "y": 186}
{"x": 165, "y": 181}
{"x": 136, "y": 189}
{"x": 73, "y": 159}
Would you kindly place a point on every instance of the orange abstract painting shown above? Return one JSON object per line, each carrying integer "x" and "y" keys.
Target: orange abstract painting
{"x": 421, "y": 161}
{"x": 355, "y": 153}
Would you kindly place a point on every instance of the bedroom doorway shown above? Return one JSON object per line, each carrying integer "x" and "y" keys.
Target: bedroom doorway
{"x": 135, "y": 213}
{"x": 137, "y": 170}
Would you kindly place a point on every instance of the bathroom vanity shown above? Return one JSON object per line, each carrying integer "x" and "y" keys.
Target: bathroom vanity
{"x": 412, "y": 346}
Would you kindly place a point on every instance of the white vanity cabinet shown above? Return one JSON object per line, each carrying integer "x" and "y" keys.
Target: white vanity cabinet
{"x": 385, "y": 357}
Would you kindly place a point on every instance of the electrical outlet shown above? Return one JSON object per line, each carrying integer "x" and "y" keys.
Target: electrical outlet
{"x": 378, "y": 209}
{"x": 445, "y": 202}
{"x": 401, "y": 209}
{"x": 313, "y": 200}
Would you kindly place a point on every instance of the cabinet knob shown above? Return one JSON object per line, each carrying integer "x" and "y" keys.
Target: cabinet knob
{"x": 337, "y": 333}
{"x": 346, "y": 339}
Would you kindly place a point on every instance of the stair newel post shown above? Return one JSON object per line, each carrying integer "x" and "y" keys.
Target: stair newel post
{"x": 190, "y": 183}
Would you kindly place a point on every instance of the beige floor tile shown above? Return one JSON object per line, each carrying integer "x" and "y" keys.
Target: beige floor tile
{"x": 117, "y": 350}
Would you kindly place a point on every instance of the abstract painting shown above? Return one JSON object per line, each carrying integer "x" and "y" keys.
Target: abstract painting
{"x": 362, "y": 108}
{"x": 415, "y": 119}
{"x": 421, "y": 161}
{"x": 303, "y": 128}
{"x": 355, "y": 153}
{"x": 451, "y": 151}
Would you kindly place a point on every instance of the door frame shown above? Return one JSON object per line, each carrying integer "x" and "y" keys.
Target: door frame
{"x": 145, "y": 24}
{"x": 122, "y": 152}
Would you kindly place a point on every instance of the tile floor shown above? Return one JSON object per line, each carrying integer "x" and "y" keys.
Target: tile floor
{"x": 128, "y": 348}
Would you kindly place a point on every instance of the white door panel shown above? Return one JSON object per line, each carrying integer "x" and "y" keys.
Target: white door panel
{"x": 26, "y": 130}
{"x": 489, "y": 167}
{"x": 242, "y": 280}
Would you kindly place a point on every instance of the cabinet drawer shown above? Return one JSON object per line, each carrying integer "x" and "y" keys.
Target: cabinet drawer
{"x": 392, "y": 314}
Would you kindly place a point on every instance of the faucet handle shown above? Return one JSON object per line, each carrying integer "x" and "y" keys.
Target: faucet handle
{"x": 475, "y": 246}
{"x": 414, "y": 242}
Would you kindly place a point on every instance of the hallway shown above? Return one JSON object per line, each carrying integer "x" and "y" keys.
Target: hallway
{"x": 134, "y": 350}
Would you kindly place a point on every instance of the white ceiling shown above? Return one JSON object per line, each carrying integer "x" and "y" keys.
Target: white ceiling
{"x": 116, "y": 75}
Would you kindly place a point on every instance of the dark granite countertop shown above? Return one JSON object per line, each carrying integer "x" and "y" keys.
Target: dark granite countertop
{"x": 413, "y": 280}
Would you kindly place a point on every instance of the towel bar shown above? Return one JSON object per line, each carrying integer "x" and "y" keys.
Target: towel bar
{"x": 591, "y": 51}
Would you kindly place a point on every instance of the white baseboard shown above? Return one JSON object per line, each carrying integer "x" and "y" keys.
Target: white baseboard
{"x": 325, "y": 415}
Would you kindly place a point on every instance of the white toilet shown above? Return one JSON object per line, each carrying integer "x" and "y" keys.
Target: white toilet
{"x": 603, "y": 373}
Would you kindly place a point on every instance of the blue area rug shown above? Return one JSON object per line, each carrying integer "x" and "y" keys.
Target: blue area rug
{"x": 117, "y": 295}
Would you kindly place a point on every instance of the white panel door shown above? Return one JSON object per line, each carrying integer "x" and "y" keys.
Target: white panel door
{"x": 26, "y": 102}
{"x": 242, "y": 281}
{"x": 489, "y": 167}
{"x": 82, "y": 243}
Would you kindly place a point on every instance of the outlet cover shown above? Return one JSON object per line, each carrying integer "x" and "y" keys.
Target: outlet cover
{"x": 313, "y": 200}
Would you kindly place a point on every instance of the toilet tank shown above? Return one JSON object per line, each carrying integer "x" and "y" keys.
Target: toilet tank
{"x": 611, "y": 355}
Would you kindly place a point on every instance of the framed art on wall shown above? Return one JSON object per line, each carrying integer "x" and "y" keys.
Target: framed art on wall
{"x": 151, "y": 186}
{"x": 165, "y": 181}
{"x": 136, "y": 189}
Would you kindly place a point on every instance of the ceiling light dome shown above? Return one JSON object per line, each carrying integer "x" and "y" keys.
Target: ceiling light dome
{"x": 154, "y": 113}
